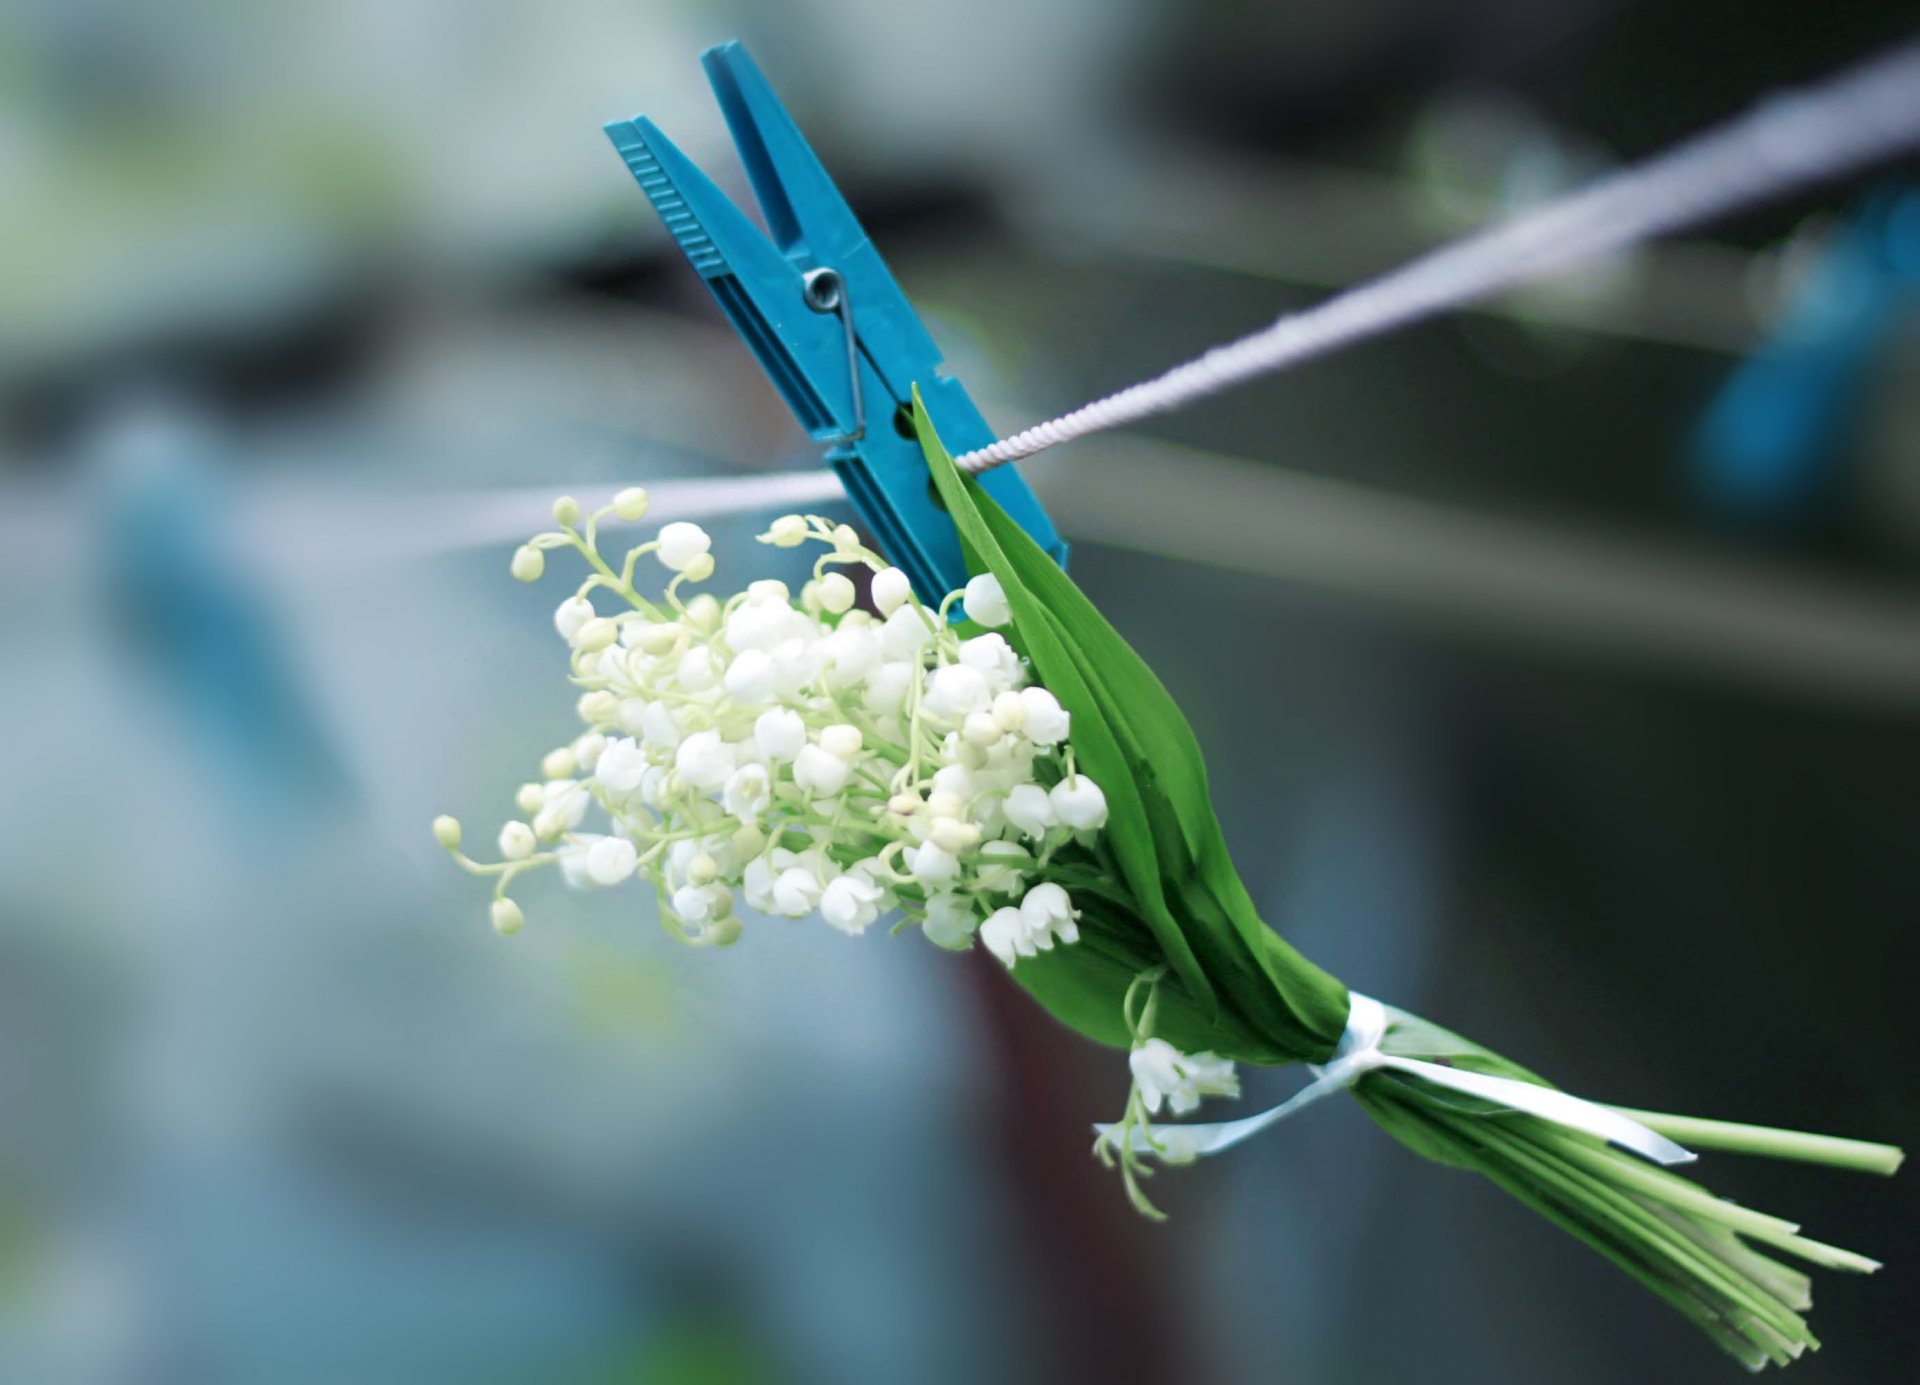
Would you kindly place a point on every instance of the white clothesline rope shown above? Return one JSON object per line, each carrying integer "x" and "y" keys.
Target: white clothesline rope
{"x": 1866, "y": 115}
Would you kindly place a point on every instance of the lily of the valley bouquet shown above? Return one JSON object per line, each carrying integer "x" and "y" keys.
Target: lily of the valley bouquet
{"x": 1002, "y": 770}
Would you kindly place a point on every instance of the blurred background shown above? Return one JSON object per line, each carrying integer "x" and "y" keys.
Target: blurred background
{"x": 1558, "y": 664}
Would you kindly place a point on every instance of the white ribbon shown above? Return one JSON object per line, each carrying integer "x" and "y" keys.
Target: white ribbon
{"x": 1358, "y": 1053}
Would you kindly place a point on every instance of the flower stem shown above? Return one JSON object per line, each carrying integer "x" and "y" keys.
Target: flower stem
{"x": 1862, "y": 1156}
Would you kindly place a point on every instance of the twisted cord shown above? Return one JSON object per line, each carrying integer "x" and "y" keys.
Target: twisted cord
{"x": 1868, "y": 114}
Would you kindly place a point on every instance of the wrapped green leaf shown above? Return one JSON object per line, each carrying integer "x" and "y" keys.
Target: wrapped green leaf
{"x": 1174, "y": 963}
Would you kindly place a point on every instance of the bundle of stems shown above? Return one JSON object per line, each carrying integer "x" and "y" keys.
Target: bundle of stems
{"x": 1161, "y": 901}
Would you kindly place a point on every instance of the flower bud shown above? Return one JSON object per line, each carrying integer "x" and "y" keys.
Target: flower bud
{"x": 702, "y": 870}
{"x": 596, "y": 635}
{"x": 587, "y": 751}
{"x": 845, "y": 537}
{"x": 704, "y": 612}
{"x": 981, "y": 729}
{"x": 841, "y": 740}
{"x": 681, "y": 543}
{"x": 598, "y": 708}
{"x": 951, "y": 834}
{"x": 446, "y": 831}
{"x": 559, "y": 764}
{"x": 516, "y": 841}
{"x": 507, "y": 918}
{"x": 905, "y": 804}
{"x": 566, "y": 511}
{"x": 528, "y": 563}
{"x": 548, "y": 824}
{"x": 529, "y": 798}
{"x": 723, "y": 932}
{"x": 836, "y": 593}
{"x": 943, "y": 803}
{"x": 788, "y": 531}
{"x": 631, "y": 504}
{"x": 890, "y": 590}
{"x": 658, "y": 637}
{"x": 1009, "y": 712}
{"x": 700, "y": 569}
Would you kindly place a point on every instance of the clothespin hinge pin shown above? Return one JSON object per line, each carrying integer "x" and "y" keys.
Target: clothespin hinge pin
{"x": 826, "y": 292}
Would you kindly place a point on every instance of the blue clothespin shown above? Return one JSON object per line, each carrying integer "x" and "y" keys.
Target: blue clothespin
{"x": 1769, "y": 442}
{"x": 820, "y": 309}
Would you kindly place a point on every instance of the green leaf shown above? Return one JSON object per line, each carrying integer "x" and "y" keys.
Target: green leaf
{"x": 1095, "y": 746}
{"x": 1126, "y": 723}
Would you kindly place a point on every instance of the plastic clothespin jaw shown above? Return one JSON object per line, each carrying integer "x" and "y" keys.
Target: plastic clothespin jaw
{"x": 832, "y": 329}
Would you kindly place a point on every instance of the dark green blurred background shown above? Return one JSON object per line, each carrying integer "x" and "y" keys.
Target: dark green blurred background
{"x": 1516, "y": 717}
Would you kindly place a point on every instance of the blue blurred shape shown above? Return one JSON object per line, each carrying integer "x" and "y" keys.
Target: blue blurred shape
{"x": 196, "y": 624}
{"x": 1770, "y": 443}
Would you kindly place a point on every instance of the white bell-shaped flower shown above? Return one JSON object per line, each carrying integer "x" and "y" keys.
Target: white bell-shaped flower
{"x": 653, "y": 786}
{"x": 906, "y": 633}
{"x": 631, "y": 716}
{"x": 956, "y": 690}
{"x": 819, "y": 771}
{"x": 659, "y": 727}
{"x": 751, "y": 677}
{"x": 890, "y": 590}
{"x": 573, "y": 860}
{"x": 932, "y": 865}
{"x": 698, "y": 904}
{"x": 986, "y": 601}
{"x": 681, "y": 543}
{"x": 994, "y": 659}
{"x": 1047, "y": 722}
{"x": 1166, "y": 1076}
{"x": 1005, "y": 934}
{"x": 780, "y": 734}
{"x": 849, "y": 654}
{"x": 747, "y": 793}
{"x": 1002, "y": 868}
{"x": 620, "y": 768}
{"x": 567, "y": 802}
{"x": 611, "y": 860}
{"x": 796, "y": 892}
{"x": 1048, "y": 912}
{"x": 697, "y": 670}
{"x": 888, "y": 685}
{"x": 571, "y": 615}
{"x": 1029, "y": 808}
{"x": 757, "y": 879}
{"x": 1079, "y": 803}
{"x": 852, "y": 901}
{"x": 704, "y": 761}
{"x": 950, "y": 921}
